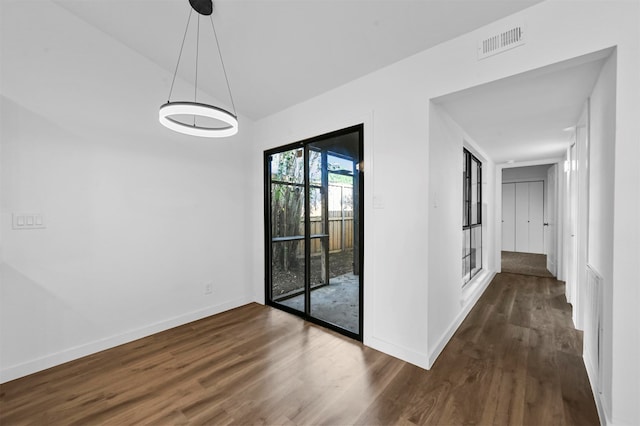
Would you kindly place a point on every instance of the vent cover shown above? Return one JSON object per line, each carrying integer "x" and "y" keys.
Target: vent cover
{"x": 593, "y": 329}
{"x": 502, "y": 42}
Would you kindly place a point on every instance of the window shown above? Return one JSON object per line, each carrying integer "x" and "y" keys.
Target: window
{"x": 471, "y": 216}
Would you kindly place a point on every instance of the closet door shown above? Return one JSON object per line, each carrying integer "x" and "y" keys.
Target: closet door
{"x": 508, "y": 216}
{"x": 536, "y": 217}
{"x": 522, "y": 216}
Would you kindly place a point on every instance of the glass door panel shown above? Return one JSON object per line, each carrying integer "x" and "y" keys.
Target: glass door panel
{"x": 336, "y": 297}
{"x": 287, "y": 210}
{"x": 287, "y": 276}
{"x": 313, "y": 192}
{"x": 287, "y": 231}
{"x": 315, "y": 167}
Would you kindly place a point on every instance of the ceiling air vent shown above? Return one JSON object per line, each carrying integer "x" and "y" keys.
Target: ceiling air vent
{"x": 499, "y": 43}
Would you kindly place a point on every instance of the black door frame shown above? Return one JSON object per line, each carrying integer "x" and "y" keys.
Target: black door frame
{"x": 359, "y": 180}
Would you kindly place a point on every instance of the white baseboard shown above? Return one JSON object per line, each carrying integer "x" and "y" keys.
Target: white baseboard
{"x": 406, "y": 354}
{"x": 603, "y": 411}
{"x": 470, "y": 295}
{"x": 42, "y": 363}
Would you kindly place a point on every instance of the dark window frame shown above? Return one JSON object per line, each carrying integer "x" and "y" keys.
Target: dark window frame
{"x": 470, "y": 162}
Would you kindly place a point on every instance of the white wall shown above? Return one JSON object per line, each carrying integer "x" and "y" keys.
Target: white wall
{"x": 580, "y": 166}
{"x": 525, "y": 174}
{"x": 624, "y": 292}
{"x": 137, "y": 218}
{"x": 601, "y": 243}
{"x": 590, "y": 229}
{"x": 448, "y": 302}
{"x": 400, "y": 270}
{"x": 596, "y": 164}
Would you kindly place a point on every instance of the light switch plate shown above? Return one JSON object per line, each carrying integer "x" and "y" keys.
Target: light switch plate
{"x": 28, "y": 221}
{"x": 378, "y": 202}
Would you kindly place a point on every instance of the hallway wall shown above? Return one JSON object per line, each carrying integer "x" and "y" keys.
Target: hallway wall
{"x": 525, "y": 174}
{"x": 448, "y": 301}
{"x": 601, "y": 238}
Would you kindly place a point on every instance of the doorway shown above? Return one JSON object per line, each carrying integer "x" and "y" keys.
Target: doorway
{"x": 313, "y": 229}
{"x": 526, "y": 218}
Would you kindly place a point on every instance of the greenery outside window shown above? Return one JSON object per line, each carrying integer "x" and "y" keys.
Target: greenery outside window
{"x": 471, "y": 216}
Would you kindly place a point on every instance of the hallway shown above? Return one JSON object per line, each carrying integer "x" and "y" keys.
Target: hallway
{"x": 520, "y": 341}
{"x": 516, "y": 359}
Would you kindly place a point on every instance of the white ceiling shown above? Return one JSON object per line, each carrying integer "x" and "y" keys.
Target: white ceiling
{"x": 281, "y": 52}
{"x": 524, "y": 117}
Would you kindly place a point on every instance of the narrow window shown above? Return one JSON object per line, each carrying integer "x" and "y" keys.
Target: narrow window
{"x": 471, "y": 216}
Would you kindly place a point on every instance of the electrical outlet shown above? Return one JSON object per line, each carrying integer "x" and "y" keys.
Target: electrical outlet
{"x": 208, "y": 288}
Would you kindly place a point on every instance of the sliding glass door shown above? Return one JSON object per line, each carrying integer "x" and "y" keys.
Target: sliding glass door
{"x": 313, "y": 223}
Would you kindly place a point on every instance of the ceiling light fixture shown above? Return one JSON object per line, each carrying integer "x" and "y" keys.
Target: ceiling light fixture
{"x": 170, "y": 111}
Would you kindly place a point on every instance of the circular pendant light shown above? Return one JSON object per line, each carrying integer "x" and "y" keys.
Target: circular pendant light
{"x": 198, "y": 110}
{"x": 170, "y": 110}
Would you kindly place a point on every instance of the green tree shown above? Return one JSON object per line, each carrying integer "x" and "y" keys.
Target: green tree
{"x": 287, "y": 204}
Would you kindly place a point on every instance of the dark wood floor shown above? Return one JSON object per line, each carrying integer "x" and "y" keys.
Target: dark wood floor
{"x": 515, "y": 360}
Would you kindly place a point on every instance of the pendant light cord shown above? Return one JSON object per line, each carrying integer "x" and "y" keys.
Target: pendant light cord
{"x": 224, "y": 70}
{"x": 179, "y": 56}
{"x": 195, "y": 89}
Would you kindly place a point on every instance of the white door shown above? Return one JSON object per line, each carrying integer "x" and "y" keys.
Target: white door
{"x": 527, "y": 199}
{"x": 536, "y": 217}
{"x": 522, "y": 217}
{"x": 508, "y": 216}
{"x": 551, "y": 228}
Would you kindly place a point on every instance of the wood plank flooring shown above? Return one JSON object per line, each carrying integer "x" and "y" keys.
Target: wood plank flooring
{"x": 516, "y": 359}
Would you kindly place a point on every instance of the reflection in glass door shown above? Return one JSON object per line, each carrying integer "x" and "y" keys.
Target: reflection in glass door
{"x": 313, "y": 192}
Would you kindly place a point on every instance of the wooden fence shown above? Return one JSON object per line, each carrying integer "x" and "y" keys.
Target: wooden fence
{"x": 341, "y": 224}
{"x": 340, "y": 233}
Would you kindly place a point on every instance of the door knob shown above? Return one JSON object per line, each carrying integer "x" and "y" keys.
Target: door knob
{"x": 545, "y": 224}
